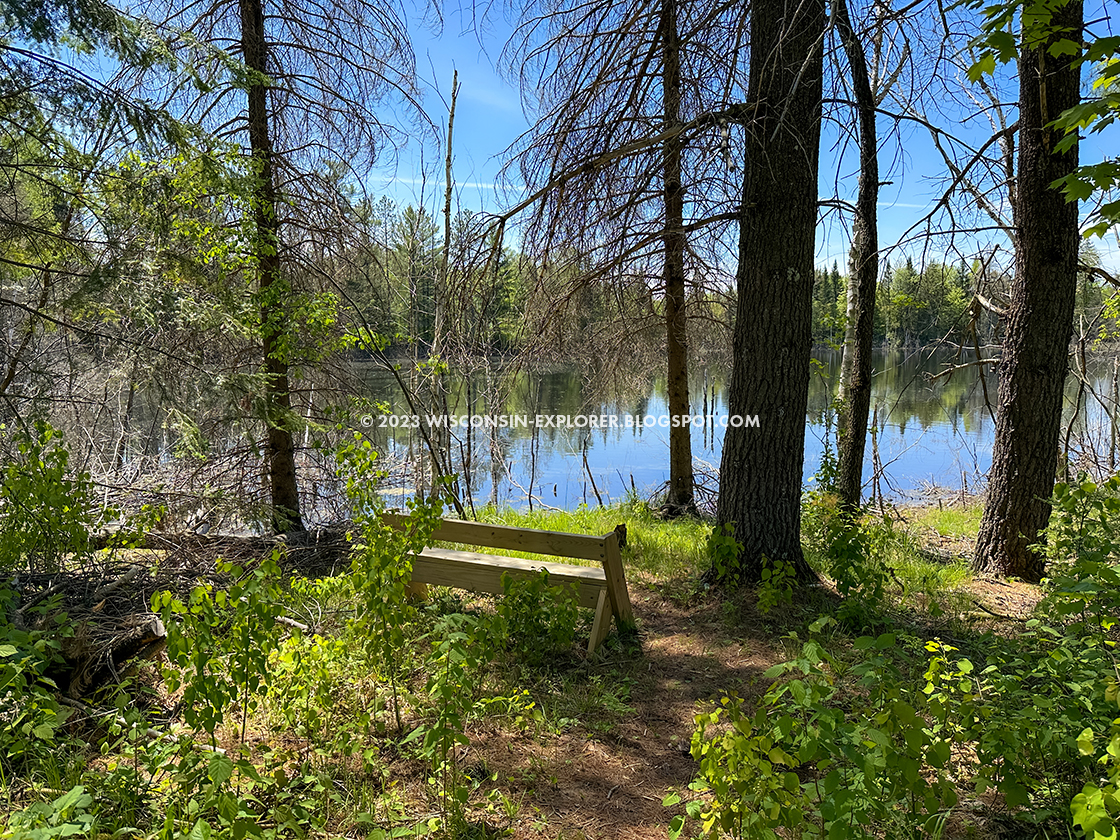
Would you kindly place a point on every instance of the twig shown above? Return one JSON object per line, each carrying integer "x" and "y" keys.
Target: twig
{"x": 949, "y": 371}
{"x": 528, "y": 493}
{"x": 998, "y": 615}
{"x": 588, "y": 469}
{"x": 154, "y": 734}
{"x": 113, "y": 586}
{"x": 291, "y": 622}
{"x": 35, "y": 599}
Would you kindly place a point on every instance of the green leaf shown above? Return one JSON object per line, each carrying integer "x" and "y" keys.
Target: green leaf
{"x": 1004, "y": 44}
{"x": 76, "y": 797}
{"x": 1014, "y": 793}
{"x": 221, "y": 769}
{"x": 885, "y": 641}
{"x": 1085, "y": 742}
{"x": 986, "y": 65}
{"x": 938, "y": 754}
{"x": 1064, "y": 46}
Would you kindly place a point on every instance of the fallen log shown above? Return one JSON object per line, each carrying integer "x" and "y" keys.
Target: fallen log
{"x": 98, "y": 652}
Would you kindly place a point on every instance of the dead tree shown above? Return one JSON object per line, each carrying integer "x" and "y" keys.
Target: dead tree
{"x": 627, "y": 101}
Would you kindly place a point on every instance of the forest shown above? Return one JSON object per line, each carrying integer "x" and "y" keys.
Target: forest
{"x": 213, "y": 626}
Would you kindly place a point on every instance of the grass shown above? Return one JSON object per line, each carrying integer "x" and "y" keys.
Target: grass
{"x": 659, "y": 549}
{"x": 952, "y": 520}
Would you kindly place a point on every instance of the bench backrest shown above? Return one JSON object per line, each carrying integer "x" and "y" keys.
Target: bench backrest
{"x": 554, "y": 543}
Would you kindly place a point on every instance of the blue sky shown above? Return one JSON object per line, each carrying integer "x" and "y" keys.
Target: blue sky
{"x": 489, "y": 117}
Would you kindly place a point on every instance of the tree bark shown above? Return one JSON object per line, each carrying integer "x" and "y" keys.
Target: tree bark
{"x": 681, "y": 482}
{"x": 1040, "y": 317}
{"x": 273, "y": 291}
{"x": 761, "y": 469}
{"x": 863, "y": 276}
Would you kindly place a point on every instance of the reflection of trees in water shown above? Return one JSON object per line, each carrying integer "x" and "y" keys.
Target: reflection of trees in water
{"x": 903, "y": 392}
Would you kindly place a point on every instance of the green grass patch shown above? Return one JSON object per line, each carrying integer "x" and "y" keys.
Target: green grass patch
{"x": 664, "y": 549}
{"x": 950, "y": 520}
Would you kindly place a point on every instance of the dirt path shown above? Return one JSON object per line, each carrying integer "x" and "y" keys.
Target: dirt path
{"x": 606, "y": 774}
{"x": 606, "y": 778}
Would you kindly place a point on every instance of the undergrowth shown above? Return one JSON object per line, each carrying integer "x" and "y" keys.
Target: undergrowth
{"x": 285, "y": 703}
{"x": 899, "y": 734}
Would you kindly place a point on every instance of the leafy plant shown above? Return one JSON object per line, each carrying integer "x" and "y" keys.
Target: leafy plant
{"x": 1083, "y": 553}
{"x": 822, "y": 762}
{"x": 464, "y": 646}
{"x": 30, "y": 716}
{"x": 538, "y": 621}
{"x": 1096, "y": 809}
{"x": 723, "y": 554}
{"x": 381, "y": 568}
{"x": 856, "y": 563}
{"x": 219, "y": 642}
{"x": 776, "y": 584}
{"x": 46, "y": 513}
{"x": 66, "y": 816}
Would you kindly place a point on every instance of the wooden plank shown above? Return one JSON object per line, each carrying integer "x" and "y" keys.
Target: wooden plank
{"x": 616, "y": 583}
{"x": 602, "y": 625}
{"x": 483, "y": 573}
{"x": 555, "y": 543}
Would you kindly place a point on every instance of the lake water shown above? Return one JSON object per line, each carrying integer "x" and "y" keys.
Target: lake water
{"x": 930, "y": 433}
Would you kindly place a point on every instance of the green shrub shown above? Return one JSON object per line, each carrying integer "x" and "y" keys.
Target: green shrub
{"x": 66, "y": 816}
{"x": 822, "y": 760}
{"x": 219, "y": 642}
{"x": 874, "y": 740}
{"x": 46, "y": 512}
{"x": 30, "y": 716}
{"x": 723, "y": 552}
{"x": 537, "y": 620}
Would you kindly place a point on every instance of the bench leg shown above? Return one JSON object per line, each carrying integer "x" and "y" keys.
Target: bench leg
{"x": 602, "y": 625}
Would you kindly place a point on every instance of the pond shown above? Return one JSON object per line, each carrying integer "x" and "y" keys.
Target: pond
{"x": 564, "y": 437}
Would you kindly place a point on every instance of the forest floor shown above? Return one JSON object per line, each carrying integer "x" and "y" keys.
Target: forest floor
{"x": 626, "y": 744}
{"x": 610, "y": 734}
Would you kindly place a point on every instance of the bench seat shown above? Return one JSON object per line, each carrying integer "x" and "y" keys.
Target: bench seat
{"x": 483, "y": 573}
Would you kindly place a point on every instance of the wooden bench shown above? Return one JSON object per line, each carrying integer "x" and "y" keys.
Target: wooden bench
{"x": 601, "y": 588}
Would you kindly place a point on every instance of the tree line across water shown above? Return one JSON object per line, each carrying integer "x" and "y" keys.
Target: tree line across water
{"x": 920, "y": 307}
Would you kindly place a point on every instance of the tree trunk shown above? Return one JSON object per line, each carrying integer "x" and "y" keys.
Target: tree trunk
{"x": 863, "y": 275}
{"x": 443, "y": 284}
{"x": 273, "y": 292}
{"x": 1033, "y": 367}
{"x": 761, "y": 469}
{"x": 681, "y": 483}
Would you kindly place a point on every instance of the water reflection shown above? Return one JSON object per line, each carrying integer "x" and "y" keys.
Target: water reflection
{"x": 930, "y": 429}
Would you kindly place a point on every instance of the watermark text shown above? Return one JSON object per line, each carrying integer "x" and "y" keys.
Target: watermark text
{"x": 559, "y": 421}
